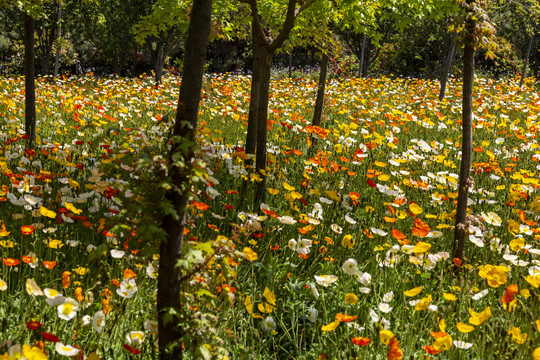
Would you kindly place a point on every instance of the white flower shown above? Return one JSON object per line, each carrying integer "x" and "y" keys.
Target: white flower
{"x": 127, "y": 288}
{"x": 476, "y": 241}
{"x": 325, "y": 280}
{"x": 312, "y": 314}
{"x": 292, "y": 244}
{"x": 32, "y": 288}
{"x": 135, "y": 338}
{"x": 407, "y": 249}
{"x": 385, "y": 308}
{"x": 269, "y": 324}
{"x": 350, "y": 220}
{"x": 3, "y": 285}
{"x": 151, "y": 325}
{"x": 364, "y": 290}
{"x": 86, "y": 319}
{"x": 462, "y": 344}
{"x": 34, "y": 263}
{"x": 350, "y": 267}
{"x": 66, "y": 350}
{"x": 364, "y": 278}
{"x": 385, "y": 324}
{"x": 98, "y": 322}
{"x": 117, "y": 254}
{"x": 534, "y": 270}
{"x": 68, "y": 309}
{"x": 303, "y": 246}
{"x": 54, "y": 298}
{"x": 480, "y": 294}
{"x": 152, "y": 271}
{"x": 336, "y": 228}
{"x": 314, "y": 290}
{"x": 388, "y": 296}
{"x": 374, "y": 316}
{"x": 287, "y": 220}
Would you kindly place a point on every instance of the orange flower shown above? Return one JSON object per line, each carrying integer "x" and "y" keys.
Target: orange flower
{"x": 431, "y": 350}
{"x": 129, "y": 274}
{"x": 79, "y": 294}
{"x": 65, "y": 279}
{"x": 200, "y": 205}
{"x": 360, "y": 341}
{"x": 10, "y": 262}
{"x": 106, "y": 295}
{"x": 345, "y": 317}
{"x": 394, "y": 353}
{"x": 27, "y": 229}
{"x": 420, "y": 229}
{"x": 49, "y": 264}
{"x": 511, "y": 291}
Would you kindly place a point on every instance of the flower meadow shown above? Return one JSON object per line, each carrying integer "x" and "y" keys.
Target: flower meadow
{"x": 350, "y": 255}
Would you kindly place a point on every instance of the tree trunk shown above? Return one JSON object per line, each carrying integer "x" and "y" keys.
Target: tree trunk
{"x": 169, "y": 278}
{"x": 256, "y": 78}
{"x": 317, "y": 113}
{"x": 447, "y": 68}
{"x": 362, "y": 53}
{"x": 58, "y": 37}
{"x": 466, "y": 147}
{"x": 159, "y": 62}
{"x": 527, "y": 55}
{"x": 29, "y": 80}
{"x": 262, "y": 129}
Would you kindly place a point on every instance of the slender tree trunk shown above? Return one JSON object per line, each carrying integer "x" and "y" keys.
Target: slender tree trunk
{"x": 527, "y": 55}
{"x": 466, "y": 147}
{"x": 262, "y": 129}
{"x": 362, "y": 54}
{"x": 169, "y": 278}
{"x": 159, "y": 62}
{"x": 447, "y": 68}
{"x": 256, "y": 79}
{"x": 29, "y": 80}
{"x": 319, "y": 102}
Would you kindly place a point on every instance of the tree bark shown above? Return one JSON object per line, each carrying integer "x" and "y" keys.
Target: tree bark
{"x": 362, "y": 53}
{"x": 29, "y": 80}
{"x": 447, "y": 68}
{"x": 466, "y": 147}
{"x": 290, "y": 64}
{"x": 169, "y": 278}
{"x": 527, "y": 55}
{"x": 58, "y": 38}
{"x": 319, "y": 102}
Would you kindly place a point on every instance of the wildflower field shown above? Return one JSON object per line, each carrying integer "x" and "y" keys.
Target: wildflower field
{"x": 350, "y": 256}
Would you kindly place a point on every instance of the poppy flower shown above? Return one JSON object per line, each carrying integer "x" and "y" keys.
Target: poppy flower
{"x": 27, "y": 229}
{"x": 360, "y": 341}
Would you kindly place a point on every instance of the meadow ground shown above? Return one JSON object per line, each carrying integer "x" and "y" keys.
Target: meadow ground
{"x": 349, "y": 256}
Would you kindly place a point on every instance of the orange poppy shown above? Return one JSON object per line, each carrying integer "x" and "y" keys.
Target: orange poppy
{"x": 10, "y": 262}
{"x": 27, "y": 229}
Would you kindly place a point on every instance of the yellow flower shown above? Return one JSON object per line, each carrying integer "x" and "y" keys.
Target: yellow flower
{"x": 351, "y": 298}
{"x": 423, "y": 304}
{"x": 413, "y": 292}
{"x": 495, "y": 275}
{"x": 288, "y": 187}
{"x": 464, "y": 328}
{"x": 330, "y": 327}
{"x": 55, "y": 244}
{"x": 517, "y": 244}
{"x": 47, "y": 213}
{"x": 273, "y": 191}
{"x": 533, "y": 280}
{"x": 248, "y": 304}
{"x": 517, "y": 335}
{"x": 249, "y": 254}
{"x": 449, "y": 296}
{"x": 443, "y": 341}
{"x": 81, "y": 270}
{"x": 421, "y": 247}
{"x": 478, "y": 318}
{"x": 385, "y": 336}
{"x": 536, "y": 354}
{"x": 415, "y": 209}
{"x": 269, "y": 295}
{"x": 348, "y": 241}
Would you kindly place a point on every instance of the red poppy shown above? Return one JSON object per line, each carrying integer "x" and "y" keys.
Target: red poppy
{"x": 27, "y": 229}
{"x": 50, "y": 337}
{"x": 10, "y": 262}
{"x": 132, "y": 349}
{"x": 371, "y": 183}
{"x": 360, "y": 341}
{"x": 33, "y": 325}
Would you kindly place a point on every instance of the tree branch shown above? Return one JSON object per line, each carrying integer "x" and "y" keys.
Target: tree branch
{"x": 292, "y": 13}
{"x": 256, "y": 26}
